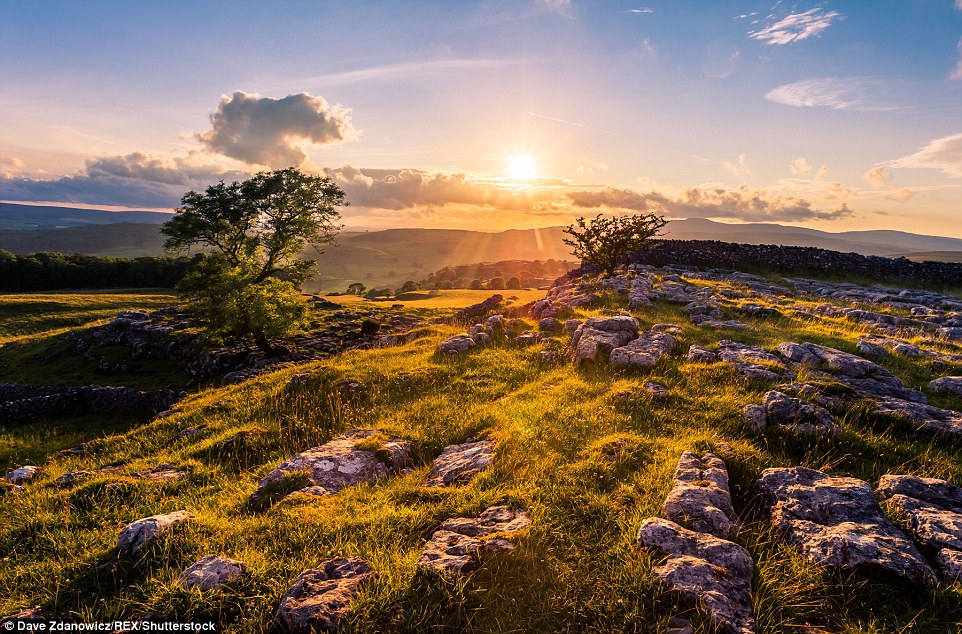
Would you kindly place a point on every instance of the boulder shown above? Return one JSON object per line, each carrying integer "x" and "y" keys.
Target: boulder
{"x": 704, "y": 570}
{"x": 211, "y": 572}
{"x": 927, "y": 416}
{"x": 947, "y": 385}
{"x": 457, "y": 545}
{"x": 360, "y": 455}
{"x": 598, "y": 336}
{"x": 550, "y": 324}
{"x": 459, "y": 464}
{"x": 319, "y": 597}
{"x": 799, "y": 415}
{"x": 700, "y": 499}
{"x": 756, "y": 416}
{"x": 643, "y": 352}
{"x": 20, "y": 475}
{"x": 836, "y": 522}
{"x": 698, "y": 354}
{"x": 456, "y": 344}
{"x": 138, "y": 534}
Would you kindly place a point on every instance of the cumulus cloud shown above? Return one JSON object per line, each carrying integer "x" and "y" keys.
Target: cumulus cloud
{"x": 800, "y": 166}
{"x": 264, "y": 131}
{"x": 957, "y": 71}
{"x": 837, "y": 93}
{"x": 943, "y": 154}
{"x": 10, "y": 165}
{"x": 797, "y": 27}
{"x": 821, "y": 173}
{"x": 134, "y": 180}
{"x": 879, "y": 177}
{"x": 738, "y": 169}
{"x": 743, "y": 203}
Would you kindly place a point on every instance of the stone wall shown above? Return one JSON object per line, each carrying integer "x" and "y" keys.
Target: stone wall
{"x": 797, "y": 261}
{"x": 20, "y": 403}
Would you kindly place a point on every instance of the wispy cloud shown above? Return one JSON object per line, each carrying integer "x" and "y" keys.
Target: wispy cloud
{"x": 800, "y": 166}
{"x": 264, "y": 131}
{"x": 956, "y": 72}
{"x": 401, "y": 69}
{"x": 797, "y": 27}
{"x": 572, "y": 123}
{"x": 944, "y": 154}
{"x": 641, "y": 10}
{"x": 738, "y": 169}
{"x": 837, "y": 93}
{"x": 879, "y": 177}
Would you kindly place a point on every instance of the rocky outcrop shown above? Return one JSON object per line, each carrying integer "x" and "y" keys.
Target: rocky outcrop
{"x": 358, "y": 456}
{"x": 319, "y": 597}
{"x": 947, "y": 385}
{"x": 598, "y": 336}
{"x": 836, "y": 522}
{"x": 20, "y": 403}
{"x": 792, "y": 413}
{"x": 643, "y": 352}
{"x": 700, "y": 499}
{"x": 704, "y": 570}
{"x": 144, "y": 531}
{"x": 211, "y": 572}
{"x": 478, "y": 311}
{"x": 457, "y": 546}
{"x": 458, "y": 464}
{"x": 751, "y": 362}
{"x": 456, "y": 344}
{"x": 927, "y": 416}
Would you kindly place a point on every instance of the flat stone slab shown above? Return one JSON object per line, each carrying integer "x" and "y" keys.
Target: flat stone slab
{"x": 704, "y": 570}
{"x": 657, "y": 390}
{"x": 136, "y": 535}
{"x": 700, "y": 499}
{"x": 21, "y": 475}
{"x": 751, "y": 362}
{"x": 459, "y": 464}
{"x": 211, "y": 572}
{"x": 700, "y": 354}
{"x": 643, "y": 352}
{"x": 457, "y": 545}
{"x": 947, "y": 385}
{"x": 836, "y": 522}
{"x": 319, "y": 597}
{"x": 927, "y": 416}
{"x": 360, "y": 455}
{"x": 161, "y": 472}
{"x": 933, "y": 509}
{"x": 793, "y": 413}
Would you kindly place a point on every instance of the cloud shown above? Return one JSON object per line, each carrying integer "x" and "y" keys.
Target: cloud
{"x": 10, "y": 165}
{"x": 134, "y": 180}
{"x": 879, "y": 177}
{"x": 561, "y": 6}
{"x": 837, "y": 93}
{"x": 800, "y": 166}
{"x": 944, "y": 154}
{"x": 958, "y": 4}
{"x": 650, "y": 10}
{"x": 821, "y": 173}
{"x": 743, "y": 203}
{"x": 738, "y": 169}
{"x": 797, "y": 27}
{"x": 264, "y": 131}
{"x": 957, "y": 71}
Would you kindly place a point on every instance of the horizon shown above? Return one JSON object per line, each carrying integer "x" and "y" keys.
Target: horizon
{"x": 501, "y": 115}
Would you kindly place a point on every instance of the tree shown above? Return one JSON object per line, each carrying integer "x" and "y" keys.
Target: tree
{"x": 607, "y": 242}
{"x": 513, "y": 283}
{"x": 496, "y": 283}
{"x": 255, "y": 232}
{"x": 355, "y": 288}
{"x": 408, "y": 287}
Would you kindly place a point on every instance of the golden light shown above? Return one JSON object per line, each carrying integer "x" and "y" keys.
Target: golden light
{"x": 522, "y": 168}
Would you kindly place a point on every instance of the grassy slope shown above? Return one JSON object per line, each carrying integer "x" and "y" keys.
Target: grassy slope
{"x": 576, "y": 569}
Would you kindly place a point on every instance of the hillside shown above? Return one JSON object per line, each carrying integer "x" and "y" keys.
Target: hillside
{"x": 586, "y": 452}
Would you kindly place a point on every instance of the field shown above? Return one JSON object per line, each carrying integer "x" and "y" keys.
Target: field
{"x": 576, "y": 569}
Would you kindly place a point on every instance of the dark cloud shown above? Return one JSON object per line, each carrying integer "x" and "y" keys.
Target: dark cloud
{"x": 265, "y": 131}
{"x": 134, "y": 180}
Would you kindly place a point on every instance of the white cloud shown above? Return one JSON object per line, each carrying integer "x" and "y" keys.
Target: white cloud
{"x": 943, "y": 154}
{"x": 879, "y": 177}
{"x": 821, "y": 173}
{"x": 837, "y": 93}
{"x": 645, "y": 10}
{"x": 10, "y": 165}
{"x": 801, "y": 166}
{"x": 797, "y": 27}
{"x": 264, "y": 131}
{"x": 957, "y": 71}
{"x": 738, "y": 169}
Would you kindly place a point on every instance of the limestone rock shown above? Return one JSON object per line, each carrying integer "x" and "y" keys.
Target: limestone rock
{"x": 921, "y": 414}
{"x": 211, "y": 572}
{"x": 550, "y": 324}
{"x": 457, "y": 545}
{"x": 947, "y": 385}
{"x": 319, "y": 597}
{"x": 705, "y": 570}
{"x": 458, "y": 464}
{"x": 836, "y": 522}
{"x": 643, "y": 352}
{"x": 21, "y": 475}
{"x": 700, "y": 499}
{"x": 794, "y": 413}
{"x": 344, "y": 461}
{"x": 600, "y": 335}
{"x": 698, "y": 354}
{"x": 138, "y": 534}
{"x": 456, "y": 344}
{"x": 756, "y": 416}
{"x": 164, "y": 471}
{"x": 657, "y": 390}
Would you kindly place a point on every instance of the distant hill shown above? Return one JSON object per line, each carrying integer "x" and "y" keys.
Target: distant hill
{"x": 14, "y": 216}
{"x": 121, "y": 240}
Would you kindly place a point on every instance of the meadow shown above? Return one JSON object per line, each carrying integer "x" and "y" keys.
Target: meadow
{"x": 587, "y": 452}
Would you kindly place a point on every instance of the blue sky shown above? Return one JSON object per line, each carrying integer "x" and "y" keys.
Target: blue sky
{"x": 835, "y": 115}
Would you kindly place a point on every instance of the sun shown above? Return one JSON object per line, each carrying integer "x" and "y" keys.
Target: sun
{"x": 522, "y": 168}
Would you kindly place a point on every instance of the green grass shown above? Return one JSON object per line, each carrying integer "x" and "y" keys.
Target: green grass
{"x": 576, "y": 569}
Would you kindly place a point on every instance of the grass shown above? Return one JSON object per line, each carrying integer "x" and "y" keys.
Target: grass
{"x": 587, "y": 452}
{"x": 449, "y": 299}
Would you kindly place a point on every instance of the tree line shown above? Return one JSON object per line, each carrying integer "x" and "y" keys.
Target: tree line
{"x": 55, "y": 271}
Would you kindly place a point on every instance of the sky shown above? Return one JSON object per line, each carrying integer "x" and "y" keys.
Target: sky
{"x": 496, "y": 114}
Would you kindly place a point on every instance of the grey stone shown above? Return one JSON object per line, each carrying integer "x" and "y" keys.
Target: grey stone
{"x": 456, "y": 344}
{"x": 211, "y": 572}
{"x": 700, "y": 499}
{"x": 319, "y": 597}
{"x": 459, "y": 464}
{"x": 704, "y": 570}
{"x": 927, "y": 416}
{"x": 481, "y": 338}
{"x": 342, "y": 462}
{"x": 550, "y": 324}
{"x": 164, "y": 471}
{"x": 138, "y": 534}
{"x": 950, "y": 333}
{"x": 799, "y": 415}
{"x": 947, "y": 385}
{"x": 527, "y": 338}
{"x": 21, "y": 475}
{"x": 836, "y": 522}
{"x": 598, "y": 336}
{"x": 643, "y": 352}
{"x": 456, "y": 547}
{"x": 571, "y": 325}
{"x": 756, "y": 416}
{"x": 657, "y": 390}
{"x": 698, "y": 354}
